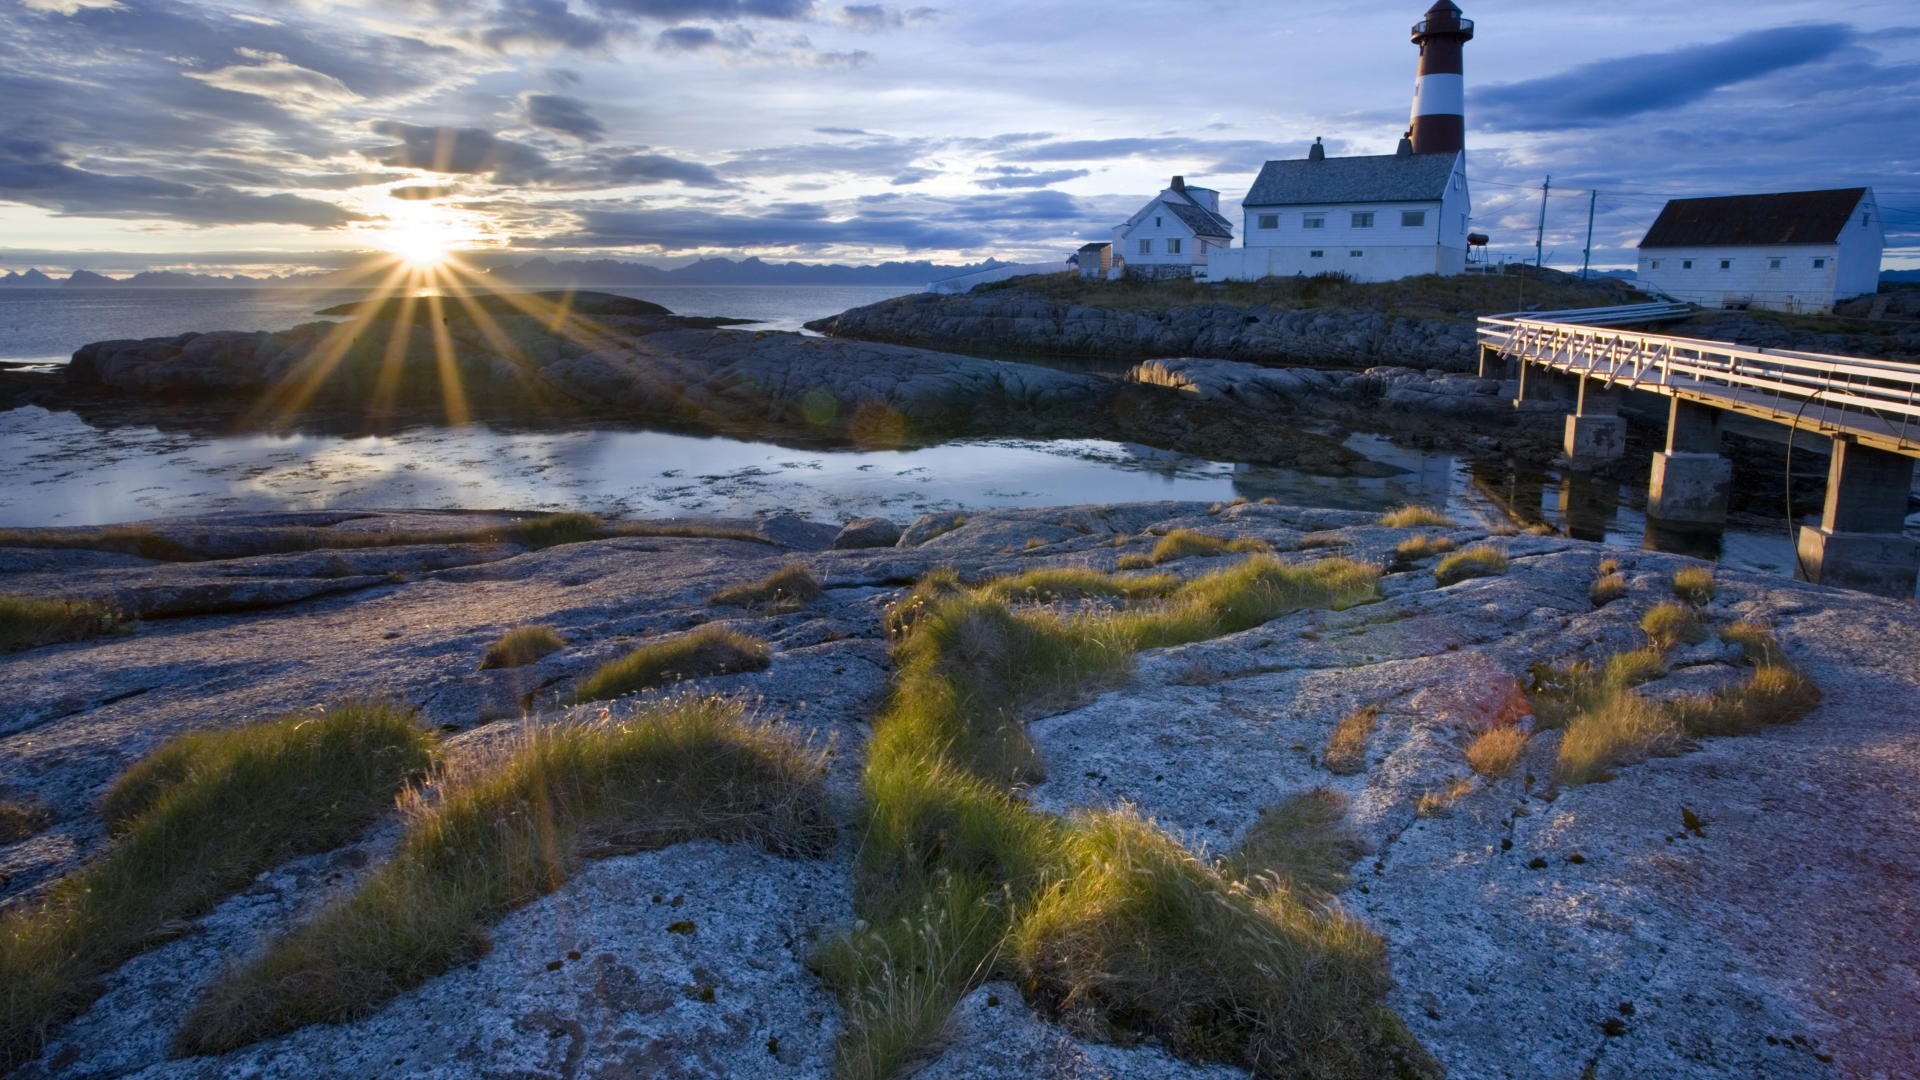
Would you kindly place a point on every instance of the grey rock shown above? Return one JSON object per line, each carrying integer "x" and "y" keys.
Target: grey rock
{"x": 867, "y": 532}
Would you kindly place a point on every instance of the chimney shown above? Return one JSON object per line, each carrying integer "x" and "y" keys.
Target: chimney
{"x": 1180, "y": 184}
{"x": 1405, "y": 149}
{"x": 1439, "y": 95}
{"x": 1316, "y": 152}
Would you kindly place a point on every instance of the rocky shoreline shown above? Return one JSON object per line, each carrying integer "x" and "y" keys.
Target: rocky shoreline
{"x": 1736, "y": 910}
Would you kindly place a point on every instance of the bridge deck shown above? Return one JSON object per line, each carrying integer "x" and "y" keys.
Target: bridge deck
{"x": 1875, "y": 401}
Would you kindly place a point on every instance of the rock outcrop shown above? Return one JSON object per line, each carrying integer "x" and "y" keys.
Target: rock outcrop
{"x": 1012, "y": 322}
{"x": 1741, "y": 909}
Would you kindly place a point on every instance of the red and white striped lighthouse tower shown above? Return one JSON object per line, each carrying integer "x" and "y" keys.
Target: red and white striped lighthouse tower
{"x": 1439, "y": 93}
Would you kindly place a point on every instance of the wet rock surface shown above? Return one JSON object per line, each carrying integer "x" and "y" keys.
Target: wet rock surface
{"x": 1739, "y": 910}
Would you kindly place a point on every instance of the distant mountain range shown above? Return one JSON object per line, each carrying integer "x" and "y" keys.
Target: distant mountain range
{"x": 539, "y": 272}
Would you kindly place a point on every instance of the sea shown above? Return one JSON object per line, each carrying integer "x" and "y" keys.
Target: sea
{"x": 58, "y": 469}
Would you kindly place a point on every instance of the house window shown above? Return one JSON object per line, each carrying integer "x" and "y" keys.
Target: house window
{"x": 1686, "y": 264}
{"x": 1456, "y": 181}
{"x": 1173, "y": 245}
{"x": 1363, "y": 219}
{"x": 1156, "y": 223}
{"x": 1355, "y": 253}
{"x": 1313, "y": 221}
{"x": 1146, "y": 247}
{"x": 1726, "y": 264}
{"x": 1819, "y": 264}
{"x": 1269, "y": 221}
{"x": 1316, "y": 253}
{"x": 1654, "y": 265}
{"x": 1412, "y": 219}
{"x": 1773, "y": 264}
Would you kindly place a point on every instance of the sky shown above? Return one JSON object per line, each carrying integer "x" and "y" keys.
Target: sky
{"x": 268, "y": 136}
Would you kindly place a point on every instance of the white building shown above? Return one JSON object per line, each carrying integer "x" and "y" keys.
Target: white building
{"x": 1175, "y": 234}
{"x": 1795, "y": 251}
{"x": 1375, "y": 218}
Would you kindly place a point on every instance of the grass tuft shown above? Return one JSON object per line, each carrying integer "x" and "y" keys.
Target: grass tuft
{"x": 712, "y": 649}
{"x": 1185, "y": 543}
{"x": 1494, "y": 752}
{"x": 1480, "y": 560}
{"x": 1077, "y": 583}
{"x": 21, "y": 818}
{"x": 1415, "y": 517}
{"x": 1756, "y": 642}
{"x": 1626, "y": 670}
{"x": 195, "y": 821}
{"x": 1694, "y": 585}
{"x": 1415, "y": 548}
{"x": 789, "y": 588}
{"x": 1346, "y": 753}
{"x": 1302, "y": 843}
{"x": 522, "y": 646}
{"x": 933, "y": 587}
{"x": 1607, "y": 588}
{"x": 1669, "y": 624}
{"x": 1774, "y": 694}
{"x": 1622, "y": 729}
{"x": 1438, "y": 802}
{"x": 28, "y": 622}
{"x": 1134, "y": 562}
{"x": 497, "y": 834}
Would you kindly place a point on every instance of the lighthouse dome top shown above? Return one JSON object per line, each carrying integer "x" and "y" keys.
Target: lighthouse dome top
{"x": 1443, "y": 18}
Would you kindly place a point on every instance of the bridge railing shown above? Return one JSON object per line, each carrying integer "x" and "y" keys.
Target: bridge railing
{"x": 1880, "y": 398}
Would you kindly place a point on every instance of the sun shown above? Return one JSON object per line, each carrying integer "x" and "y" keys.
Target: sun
{"x": 421, "y": 245}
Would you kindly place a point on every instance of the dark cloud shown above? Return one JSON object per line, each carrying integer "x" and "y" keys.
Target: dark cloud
{"x": 1012, "y": 176}
{"x": 718, "y": 10}
{"x": 569, "y": 116}
{"x": 913, "y": 176}
{"x": 839, "y": 131}
{"x": 543, "y": 24}
{"x": 458, "y": 150}
{"x": 1593, "y": 95}
{"x": 686, "y": 39}
{"x": 881, "y": 17}
{"x": 35, "y": 172}
{"x": 620, "y": 169}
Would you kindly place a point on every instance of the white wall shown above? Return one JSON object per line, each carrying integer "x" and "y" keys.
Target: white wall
{"x": 1795, "y": 285}
{"x": 1158, "y": 225}
{"x": 1861, "y": 244}
{"x": 1378, "y": 262}
{"x": 1338, "y": 230}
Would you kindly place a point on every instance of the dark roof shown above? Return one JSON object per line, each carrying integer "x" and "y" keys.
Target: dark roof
{"x": 1793, "y": 217}
{"x": 1380, "y": 178}
{"x": 1201, "y": 220}
{"x": 1096, "y": 245}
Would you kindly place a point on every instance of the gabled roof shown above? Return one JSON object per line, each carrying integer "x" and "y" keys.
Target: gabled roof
{"x": 1201, "y": 220}
{"x": 1096, "y": 245}
{"x": 1378, "y": 178}
{"x": 1793, "y": 217}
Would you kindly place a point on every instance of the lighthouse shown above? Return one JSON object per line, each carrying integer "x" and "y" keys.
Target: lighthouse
{"x": 1439, "y": 95}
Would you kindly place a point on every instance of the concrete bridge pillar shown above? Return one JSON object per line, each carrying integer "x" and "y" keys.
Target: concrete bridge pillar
{"x": 1689, "y": 481}
{"x": 1595, "y": 432}
{"x": 1859, "y": 542}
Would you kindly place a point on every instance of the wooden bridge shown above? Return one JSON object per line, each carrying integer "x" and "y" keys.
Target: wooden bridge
{"x": 1869, "y": 409}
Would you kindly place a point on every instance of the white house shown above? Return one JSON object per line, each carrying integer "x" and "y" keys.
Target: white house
{"x": 1794, "y": 251}
{"x": 1375, "y": 218}
{"x": 1175, "y": 234}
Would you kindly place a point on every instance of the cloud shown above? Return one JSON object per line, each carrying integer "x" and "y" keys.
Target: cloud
{"x": 280, "y": 81}
{"x": 69, "y": 7}
{"x": 36, "y": 173}
{"x": 1011, "y": 176}
{"x": 621, "y": 169}
{"x": 1595, "y": 94}
{"x": 458, "y": 150}
{"x": 686, "y": 39}
{"x": 874, "y": 17}
{"x": 716, "y": 10}
{"x": 421, "y": 192}
{"x": 1203, "y": 155}
{"x": 566, "y": 115}
{"x": 543, "y": 24}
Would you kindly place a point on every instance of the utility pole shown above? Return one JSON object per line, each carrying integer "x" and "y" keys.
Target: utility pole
{"x": 1540, "y": 234}
{"x": 1586, "y": 256}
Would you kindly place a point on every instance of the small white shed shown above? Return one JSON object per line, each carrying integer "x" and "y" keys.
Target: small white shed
{"x": 1791, "y": 251}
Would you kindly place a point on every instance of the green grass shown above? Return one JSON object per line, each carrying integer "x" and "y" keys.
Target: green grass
{"x": 789, "y": 588}
{"x": 28, "y": 622}
{"x": 195, "y": 821}
{"x": 1076, "y": 583}
{"x": 1415, "y": 517}
{"x": 1629, "y": 669}
{"x": 712, "y": 649}
{"x": 541, "y": 531}
{"x": 496, "y": 835}
{"x": 1694, "y": 585}
{"x": 522, "y": 646}
{"x": 1480, "y": 560}
{"x": 1669, "y": 624}
{"x": 932, "y": 587}
{"x": 1772, "y": 695}
{"x": 1301, "y": 843}
{"x": 1623, "y": 729}
{"x": 1415, "y": 548}
{"x": 1186, "y": 543}
{"x": 959, "y": 880}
